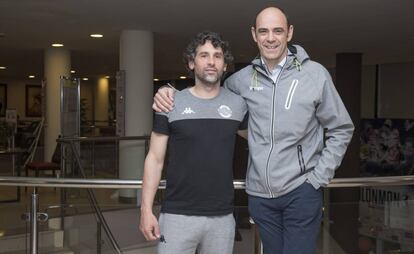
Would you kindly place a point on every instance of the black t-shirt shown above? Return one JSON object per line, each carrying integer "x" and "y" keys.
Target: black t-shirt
{"x": 201, "y": 142}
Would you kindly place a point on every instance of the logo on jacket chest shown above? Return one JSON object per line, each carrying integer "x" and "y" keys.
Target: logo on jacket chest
{"x": 256, "y": 88}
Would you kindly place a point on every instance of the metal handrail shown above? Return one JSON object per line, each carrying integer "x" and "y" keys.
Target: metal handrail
{"x": 137, "y": 184}
{"x": 106, "y": 138}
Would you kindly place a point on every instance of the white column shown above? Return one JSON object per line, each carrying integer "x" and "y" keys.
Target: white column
{"x": 101, "y": 101}
{"x": 136, "y": 58}
{"x": 57, "y": 63}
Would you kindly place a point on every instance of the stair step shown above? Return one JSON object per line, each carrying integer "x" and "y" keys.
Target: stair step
{"x": 149, "y": 248}
{"x": 49, "y": 250}
{"x": 21, "y": 241}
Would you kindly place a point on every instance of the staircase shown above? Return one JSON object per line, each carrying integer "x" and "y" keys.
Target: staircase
{"x": 50, "y": 241}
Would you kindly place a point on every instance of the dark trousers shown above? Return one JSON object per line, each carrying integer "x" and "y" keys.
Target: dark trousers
{"x": 289, "y": 224}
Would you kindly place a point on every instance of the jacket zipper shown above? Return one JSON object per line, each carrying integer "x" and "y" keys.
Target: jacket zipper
{"x": 301, "y": 160}
{"x": 272, "y": 127}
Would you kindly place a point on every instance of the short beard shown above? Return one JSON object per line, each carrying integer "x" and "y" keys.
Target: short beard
{"x": 209, "y": 80}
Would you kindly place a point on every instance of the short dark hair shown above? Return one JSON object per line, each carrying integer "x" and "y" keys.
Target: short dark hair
{"x": 280, "y": 9}
{"x": 201, "y": 39}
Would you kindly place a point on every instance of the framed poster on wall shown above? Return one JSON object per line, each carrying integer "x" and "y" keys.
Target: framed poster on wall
{"x": 33, "y": 100}
{"x": 3, "y": 99}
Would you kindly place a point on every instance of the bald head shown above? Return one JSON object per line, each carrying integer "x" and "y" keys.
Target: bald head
{"x": 272, "y": 33}
{"x": 273, "y": 11}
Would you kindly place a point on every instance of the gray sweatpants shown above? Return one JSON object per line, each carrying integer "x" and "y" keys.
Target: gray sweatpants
{"x": 185, "y": 234}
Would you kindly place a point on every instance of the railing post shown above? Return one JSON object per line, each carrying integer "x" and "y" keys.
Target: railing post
{"x": 93, "y": 158}
{"x": 117, "y": 158}
{"x": 12, "y": 147}
{"x": 326, "y": 222}
{"x": 33, "y": 223}
{"x": 98, "y": 237}
{"x": 257, "y": 242}
{"x": 63, "y": 200}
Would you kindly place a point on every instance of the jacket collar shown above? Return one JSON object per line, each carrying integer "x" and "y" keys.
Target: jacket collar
{"x": 295, "y": 59}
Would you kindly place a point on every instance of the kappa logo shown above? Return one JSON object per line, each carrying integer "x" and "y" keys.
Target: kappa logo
{"x": 188, "y": 111}
{"x": 225, "y": 111}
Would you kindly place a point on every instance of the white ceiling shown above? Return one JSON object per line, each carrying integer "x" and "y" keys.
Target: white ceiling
{"x": 383, "y": 30}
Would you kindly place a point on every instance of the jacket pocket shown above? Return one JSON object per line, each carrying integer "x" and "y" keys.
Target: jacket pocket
{"x": 300, "y": 159}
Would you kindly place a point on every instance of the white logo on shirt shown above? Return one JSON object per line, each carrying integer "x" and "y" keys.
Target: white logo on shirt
{"x": 224, "y": 111}
{"x": 188, "y": 111}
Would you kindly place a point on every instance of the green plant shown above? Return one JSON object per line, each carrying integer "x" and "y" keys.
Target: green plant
{"x": 84, "y": 125}
{"x": 6, "y": 131}
{"x": 83, "y": 109}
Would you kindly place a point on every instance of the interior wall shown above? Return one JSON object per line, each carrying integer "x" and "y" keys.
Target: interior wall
{"x": 396, "y": 91}
{"x": 86, "y": 93}
{"x": 16, "y": 95}
{"x": 368, "y": 91}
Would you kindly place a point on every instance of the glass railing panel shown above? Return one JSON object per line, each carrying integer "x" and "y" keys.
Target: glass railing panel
{"x": 372, "y": 220}
{"x": 72, "y": 225}
{"x": 100, "y": 159}
{"x": 245, "y": 232}
{"x": 355, "y": 220}
{"x": 74, "y": 220}
{"x": 13, "y": 226}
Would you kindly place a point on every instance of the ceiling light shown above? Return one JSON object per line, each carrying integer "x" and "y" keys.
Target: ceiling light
{"x": 96, "y": 35}
{"x": 3, "y": 67}
{"x": 85, "y": 79}
{"x": 57, "y": 45}
{"x": 183, "y": 77}
{"x": 107, "y": 77}
{"x": 156, "y": 79}
{"x": 31, "y": 76}
{"x": 72, "y": 71}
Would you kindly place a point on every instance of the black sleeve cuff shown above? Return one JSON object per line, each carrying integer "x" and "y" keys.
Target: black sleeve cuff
{"x": 160, "y": 124}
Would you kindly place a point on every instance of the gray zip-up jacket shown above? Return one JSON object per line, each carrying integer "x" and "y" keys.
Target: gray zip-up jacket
{"x": 286, "y": 125}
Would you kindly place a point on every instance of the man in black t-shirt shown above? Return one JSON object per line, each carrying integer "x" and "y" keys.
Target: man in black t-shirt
{"x": 200, "y": 132}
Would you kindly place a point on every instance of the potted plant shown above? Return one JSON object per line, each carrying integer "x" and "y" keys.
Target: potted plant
{"x": 6, "y": 133}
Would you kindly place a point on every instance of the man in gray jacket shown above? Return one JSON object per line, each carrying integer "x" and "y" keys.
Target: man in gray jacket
{"x": 291, "y": 101}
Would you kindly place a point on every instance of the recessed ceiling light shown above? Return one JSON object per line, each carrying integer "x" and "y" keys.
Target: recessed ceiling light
{"x": 3, "y": 67}
{"x": 96, "y": 35}
{"x": 107, "y": 77}
{"x": 72, "y": 71}
{"x": 85, "y": 79}
{"x": 156, "y": 79}
{"x": 31, "y": 76}
{"x": 183, "y": 77}
{"x": 57, "y": 45}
